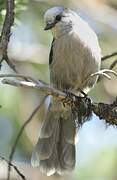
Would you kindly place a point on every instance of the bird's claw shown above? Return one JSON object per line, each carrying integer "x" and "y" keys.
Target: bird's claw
{"x": 69, "y": 99}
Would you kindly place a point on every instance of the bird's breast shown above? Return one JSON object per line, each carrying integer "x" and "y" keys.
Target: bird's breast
{"x": 72, "y": 62}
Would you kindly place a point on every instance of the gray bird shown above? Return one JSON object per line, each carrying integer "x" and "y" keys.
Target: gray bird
{"x": 75, "y": 54}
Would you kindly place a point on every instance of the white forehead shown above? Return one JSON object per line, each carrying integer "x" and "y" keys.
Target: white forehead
{"x": 51, "y": 13}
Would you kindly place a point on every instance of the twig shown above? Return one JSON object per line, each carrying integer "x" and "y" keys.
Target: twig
{"x": 15, "y": 167}
{"x": 19, "y": 135}
{"x": 113, "y": 64}
{"x": 101, "y": 73}
{"x": 109, "y": 56}
{"x": 20, "y": 76}
{"x": 6, "y": 33}
{"x": 44, "y": 88}
{"x": 104, "y": 72}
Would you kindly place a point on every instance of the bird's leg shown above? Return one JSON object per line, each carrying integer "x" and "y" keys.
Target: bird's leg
{"x": 82, "y": 92}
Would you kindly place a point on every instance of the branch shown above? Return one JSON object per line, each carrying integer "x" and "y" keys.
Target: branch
{"x": 113, "y": 64}
{"x": 109, "y": 56}
{"x": 98, "y": 108}
{"x": 15, "y": 167}
{"x": 6, "y": 33}
{"x": 107, "y": 112}
{"x": 19, "y": 135}
{"x": 19, "y": 76}
{"x": 34, "y": 84}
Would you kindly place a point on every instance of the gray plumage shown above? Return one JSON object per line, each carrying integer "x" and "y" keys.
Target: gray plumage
{"x": 75, "y": 54}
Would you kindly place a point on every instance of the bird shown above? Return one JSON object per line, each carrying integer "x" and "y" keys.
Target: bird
{"x": 75, "y": 54}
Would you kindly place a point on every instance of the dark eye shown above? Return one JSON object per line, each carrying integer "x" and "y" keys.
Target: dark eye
{"x": 58, "y": 17}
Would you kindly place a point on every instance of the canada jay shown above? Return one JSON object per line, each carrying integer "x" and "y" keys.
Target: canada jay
{"x": 75, "y": 54}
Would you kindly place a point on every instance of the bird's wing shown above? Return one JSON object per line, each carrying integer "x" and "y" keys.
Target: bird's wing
{"x": 51, "y": 53}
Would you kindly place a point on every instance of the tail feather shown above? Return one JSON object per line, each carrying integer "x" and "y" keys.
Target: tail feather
{"x": 45, "y": 147}
{"x": 50, "y": 123}
{"x": 67, "y": 159}
{"x": 67, "y": 150}
{"x": 55, "y": 149}
{"x": 49, "y": 166}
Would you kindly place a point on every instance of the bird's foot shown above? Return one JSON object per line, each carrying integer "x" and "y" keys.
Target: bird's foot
{"x": 69, "y": 99}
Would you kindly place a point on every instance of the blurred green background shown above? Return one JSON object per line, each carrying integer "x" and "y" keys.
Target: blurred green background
{"x": 29, "y": 50}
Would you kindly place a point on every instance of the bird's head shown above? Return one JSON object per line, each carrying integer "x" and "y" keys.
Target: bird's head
{"x": 59, "y": 20}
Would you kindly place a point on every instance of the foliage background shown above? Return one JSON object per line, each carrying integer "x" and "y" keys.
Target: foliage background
{"x": 28, "y": 49}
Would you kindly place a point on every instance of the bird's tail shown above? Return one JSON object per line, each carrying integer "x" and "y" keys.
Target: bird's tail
{"x": 55, "y": 149}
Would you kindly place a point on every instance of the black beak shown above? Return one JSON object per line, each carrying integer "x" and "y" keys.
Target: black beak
{"x": 49, "y": 26}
